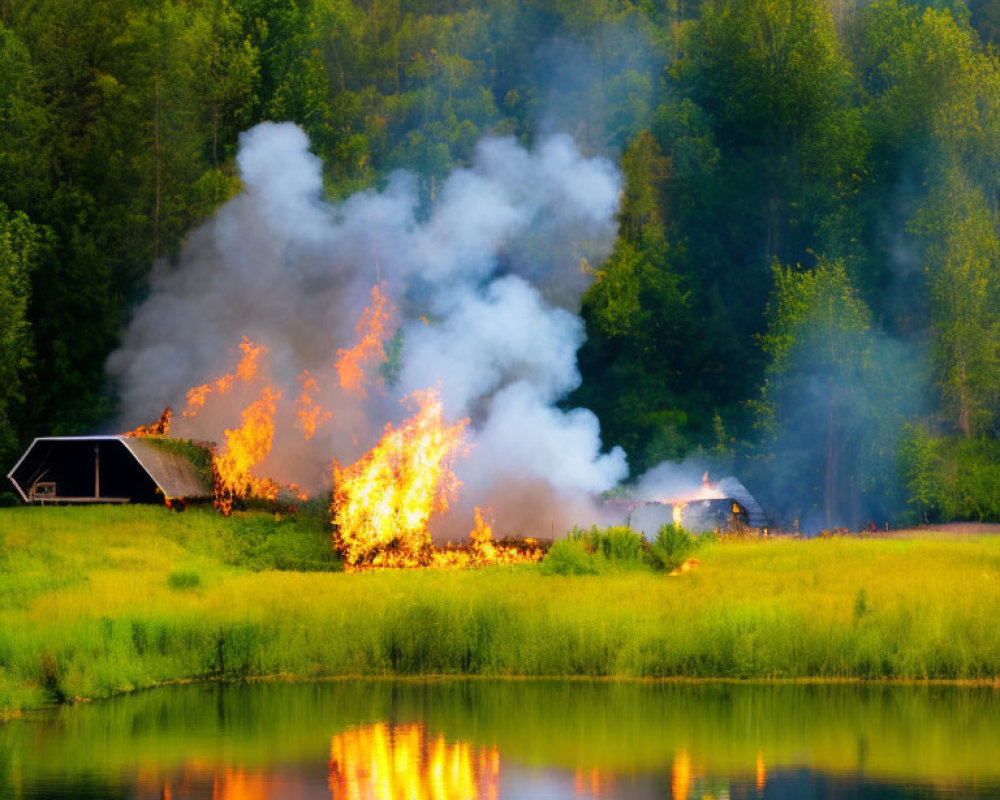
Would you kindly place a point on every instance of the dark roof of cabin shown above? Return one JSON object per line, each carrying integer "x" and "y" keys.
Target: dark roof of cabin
{"x": 732, "y": 488}
{"x": 165, "y": 461}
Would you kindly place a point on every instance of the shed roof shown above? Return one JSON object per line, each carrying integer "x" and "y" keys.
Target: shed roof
{"x": 173, "y": 472}
{"x": 732, "y": 488}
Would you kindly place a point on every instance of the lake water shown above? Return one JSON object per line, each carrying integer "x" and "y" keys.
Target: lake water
{"x": 488, "y": 740}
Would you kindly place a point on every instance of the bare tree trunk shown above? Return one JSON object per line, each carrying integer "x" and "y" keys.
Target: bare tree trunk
{"x": 831, "y": 461}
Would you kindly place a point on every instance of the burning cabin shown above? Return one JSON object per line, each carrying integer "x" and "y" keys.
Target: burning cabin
{"x": 723, "y": 506}
{"x": 112, "y": 469}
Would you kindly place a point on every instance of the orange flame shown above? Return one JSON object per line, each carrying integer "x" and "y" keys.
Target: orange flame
{"x": 372, "y": 331}
{"x": 393, "y": 762}
{"x": 159, "y": 428}
{"x": 246, "y": 447}
{"x": 246, "y": 370}
{"x": 484, "y": 551}
{"x": 382, "y": 503}
{"x": 310, "y": 415}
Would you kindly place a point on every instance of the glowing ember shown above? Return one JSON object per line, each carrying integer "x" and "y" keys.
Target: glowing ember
{"x": 685, "y": 566}
{"x": 310, "y": 415}
{"x": 246, "y": 447}
{"x": 246, "y": 371}
{"x": 159, "y": 428}
{"x": 391, "y": 762}
{"x": 382, "y": 504}
{"x": 372, "y": 331}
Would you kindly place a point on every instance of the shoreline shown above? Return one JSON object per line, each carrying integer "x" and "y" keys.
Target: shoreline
{"x": 24, "y": 714}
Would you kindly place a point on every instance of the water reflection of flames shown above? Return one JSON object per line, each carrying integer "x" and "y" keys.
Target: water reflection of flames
{"x": 227, "y": 783}
{"x": 680, "y": 776}
{"x": 239, "y": 785}
{"x": 593, "y": 783}
{"x": 401, "y": 762}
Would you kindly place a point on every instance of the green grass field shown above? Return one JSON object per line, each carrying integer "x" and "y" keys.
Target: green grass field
{"x": 94, "y": 601}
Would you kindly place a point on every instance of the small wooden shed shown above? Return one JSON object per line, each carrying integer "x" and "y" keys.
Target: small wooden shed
{"x": 728, "y": 507}
{"x": 112, "y": 469}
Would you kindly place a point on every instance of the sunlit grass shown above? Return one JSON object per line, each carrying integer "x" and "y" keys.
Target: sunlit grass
{"x": 90, "y": 607}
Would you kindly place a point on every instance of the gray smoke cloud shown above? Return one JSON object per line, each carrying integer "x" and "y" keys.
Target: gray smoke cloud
{"x": 486, "y": 287}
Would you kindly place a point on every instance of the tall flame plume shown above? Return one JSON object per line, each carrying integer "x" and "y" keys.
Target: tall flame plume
{"x": 159, "y": 428}
{"x": 246, "y": 371}
{"x": 372, "y": 331}
{"x": 246, "y": 446}
{"x": 310, "y": 415}
{"x": 383, "y": 502}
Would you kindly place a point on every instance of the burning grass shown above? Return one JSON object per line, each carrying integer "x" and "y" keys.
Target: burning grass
{"x": 382, "y": 504}
{"x": 88, "y": 607}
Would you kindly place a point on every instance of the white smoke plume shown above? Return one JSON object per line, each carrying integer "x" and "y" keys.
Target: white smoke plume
{"x": 486, "y": 287}
{"x": 670, "y": 480}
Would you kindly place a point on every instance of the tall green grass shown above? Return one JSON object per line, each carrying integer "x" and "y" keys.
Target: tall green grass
{"x": 88, "y": 607}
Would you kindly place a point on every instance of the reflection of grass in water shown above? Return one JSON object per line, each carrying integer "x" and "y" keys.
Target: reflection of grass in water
{"x": 88, "y": 609}
{"x": 913, "y": 733}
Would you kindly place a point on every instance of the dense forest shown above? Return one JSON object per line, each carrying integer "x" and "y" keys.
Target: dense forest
{"x": 806, "y": 283}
